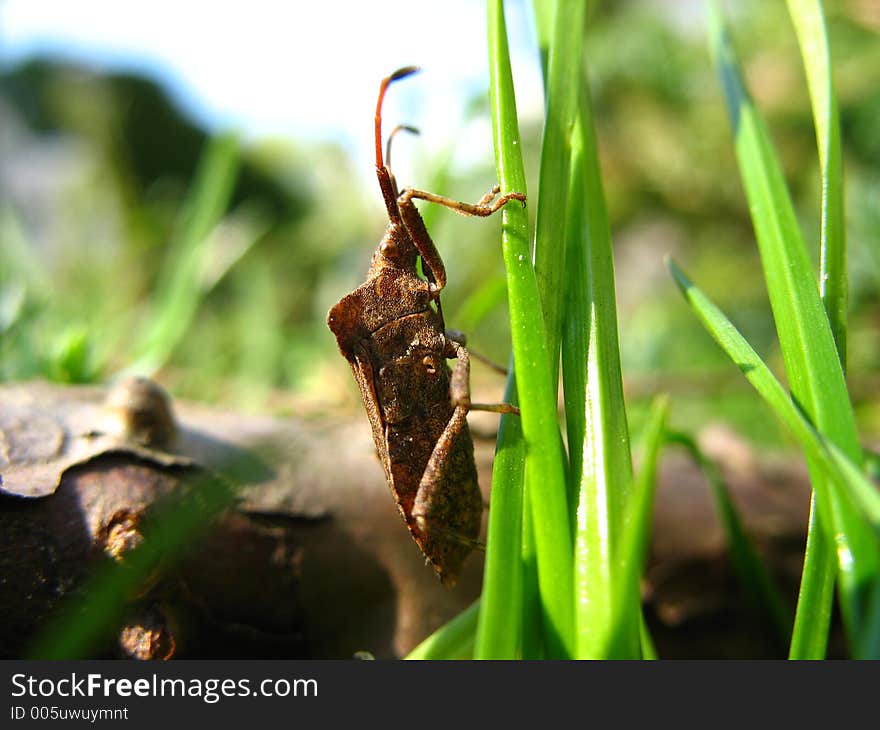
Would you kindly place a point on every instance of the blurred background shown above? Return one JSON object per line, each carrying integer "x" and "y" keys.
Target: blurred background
{"x": 186, "y": 188}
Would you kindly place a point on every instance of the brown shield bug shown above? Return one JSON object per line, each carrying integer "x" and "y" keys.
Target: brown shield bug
{"x": 391, "y": 331}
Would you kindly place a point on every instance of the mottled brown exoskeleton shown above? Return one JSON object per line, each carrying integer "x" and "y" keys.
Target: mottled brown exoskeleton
{"x": 391, "y": 331}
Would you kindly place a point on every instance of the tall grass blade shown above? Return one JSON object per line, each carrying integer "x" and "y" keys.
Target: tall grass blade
{"x": 812, "y": 364}
{"x": 499, "y": 632}
{"x": 809, "y": 24}
{"x": 837, "y": 478}
{"x": 453, "y": 640}
{"x": 625, "y": 639}
{"x": 595, "y": 414}
{"x": 545, "y": 461}
{"x": 564, "y": 59}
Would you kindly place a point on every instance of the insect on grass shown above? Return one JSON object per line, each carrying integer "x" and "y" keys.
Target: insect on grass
{"x": 391, "y": 331}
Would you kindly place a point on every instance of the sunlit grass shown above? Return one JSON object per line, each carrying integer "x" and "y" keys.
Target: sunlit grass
{"x": 608, "y": 512}
{"x": 553, "y": 584}
{"x": 811, "y": 325}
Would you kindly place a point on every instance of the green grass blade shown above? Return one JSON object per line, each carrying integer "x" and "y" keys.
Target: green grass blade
{"x": 543, "y": 13}
{"x": 453, "y": 640}
{"x": 747, "y": 563}
{"x": 531, "y": 619}
{"x": 595, "y": 415}
{"x": 564, "y": 59}
{"x": 807, "y": 16}
{"x": 812, "y": 364}
{"x": 859, "y": 488}
{"x": 809, "y": 638}
{"x": 809, "y": 24}
{"x": 180, "y": 289}
{"x": 533, "y": 642}
{"x": 545, "y": 461}
{"x": 583, "y": 422}
{"x": 500, "y": 622}
{"x": 649, "y": 651}
{"x": 837, "y": 478}
{"x": 808, "y": 348}
{"x": 625, "y": 639}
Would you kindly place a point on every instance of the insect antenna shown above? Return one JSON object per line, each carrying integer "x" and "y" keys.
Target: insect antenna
{"x": 398, "y": 128}
{"x": 386, "y": 181}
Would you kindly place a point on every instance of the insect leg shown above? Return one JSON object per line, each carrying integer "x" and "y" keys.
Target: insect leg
{"x": 433, "y": 474}
{"x": 490, "y": 196}
{"x": 422, "y": 239}
{"x": 483, "y": 207}
{"x": 460, "y": 388}
{"x": 415, "y": 226}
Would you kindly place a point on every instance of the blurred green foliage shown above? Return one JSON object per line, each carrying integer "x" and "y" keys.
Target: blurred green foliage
{"x": 97, "y": 172}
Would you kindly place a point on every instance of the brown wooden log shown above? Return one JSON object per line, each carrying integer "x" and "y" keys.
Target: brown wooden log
{"x": 312, "y": 560}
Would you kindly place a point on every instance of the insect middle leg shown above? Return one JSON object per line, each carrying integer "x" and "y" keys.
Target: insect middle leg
{"x": 436, "y": 468}
{"x": 460, "y": 386}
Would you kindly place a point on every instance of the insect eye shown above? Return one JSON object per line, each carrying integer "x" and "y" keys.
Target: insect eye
{"x": 389, "y": 249}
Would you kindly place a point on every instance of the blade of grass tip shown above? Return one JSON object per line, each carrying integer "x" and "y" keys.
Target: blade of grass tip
{"x": 624, "y": 639}
{"x": 545, "y": 461}
{"x": 453, "y": 640}
{"x": 179, "y": 291}
{"x": 805, "y": 336}
{"x": 747, "y": 563}
{"x": 595, "y": 413}
{"x": 837, "y": 463}
{"x": 845, "y": 479}
{"x": 584, "y": 426}
{"x": 809, "y": 24}
{"x": 565, "y": 54}
{"x": 811, "y": 359}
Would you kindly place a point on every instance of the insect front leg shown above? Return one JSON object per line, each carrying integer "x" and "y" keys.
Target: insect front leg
{"x": 415, "y": 226}
{"x": 422, "y": 239}
{"x": 482, "y": 208}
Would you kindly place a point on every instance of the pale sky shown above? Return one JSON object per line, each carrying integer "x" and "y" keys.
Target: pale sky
{"x": 292, "y": 69}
